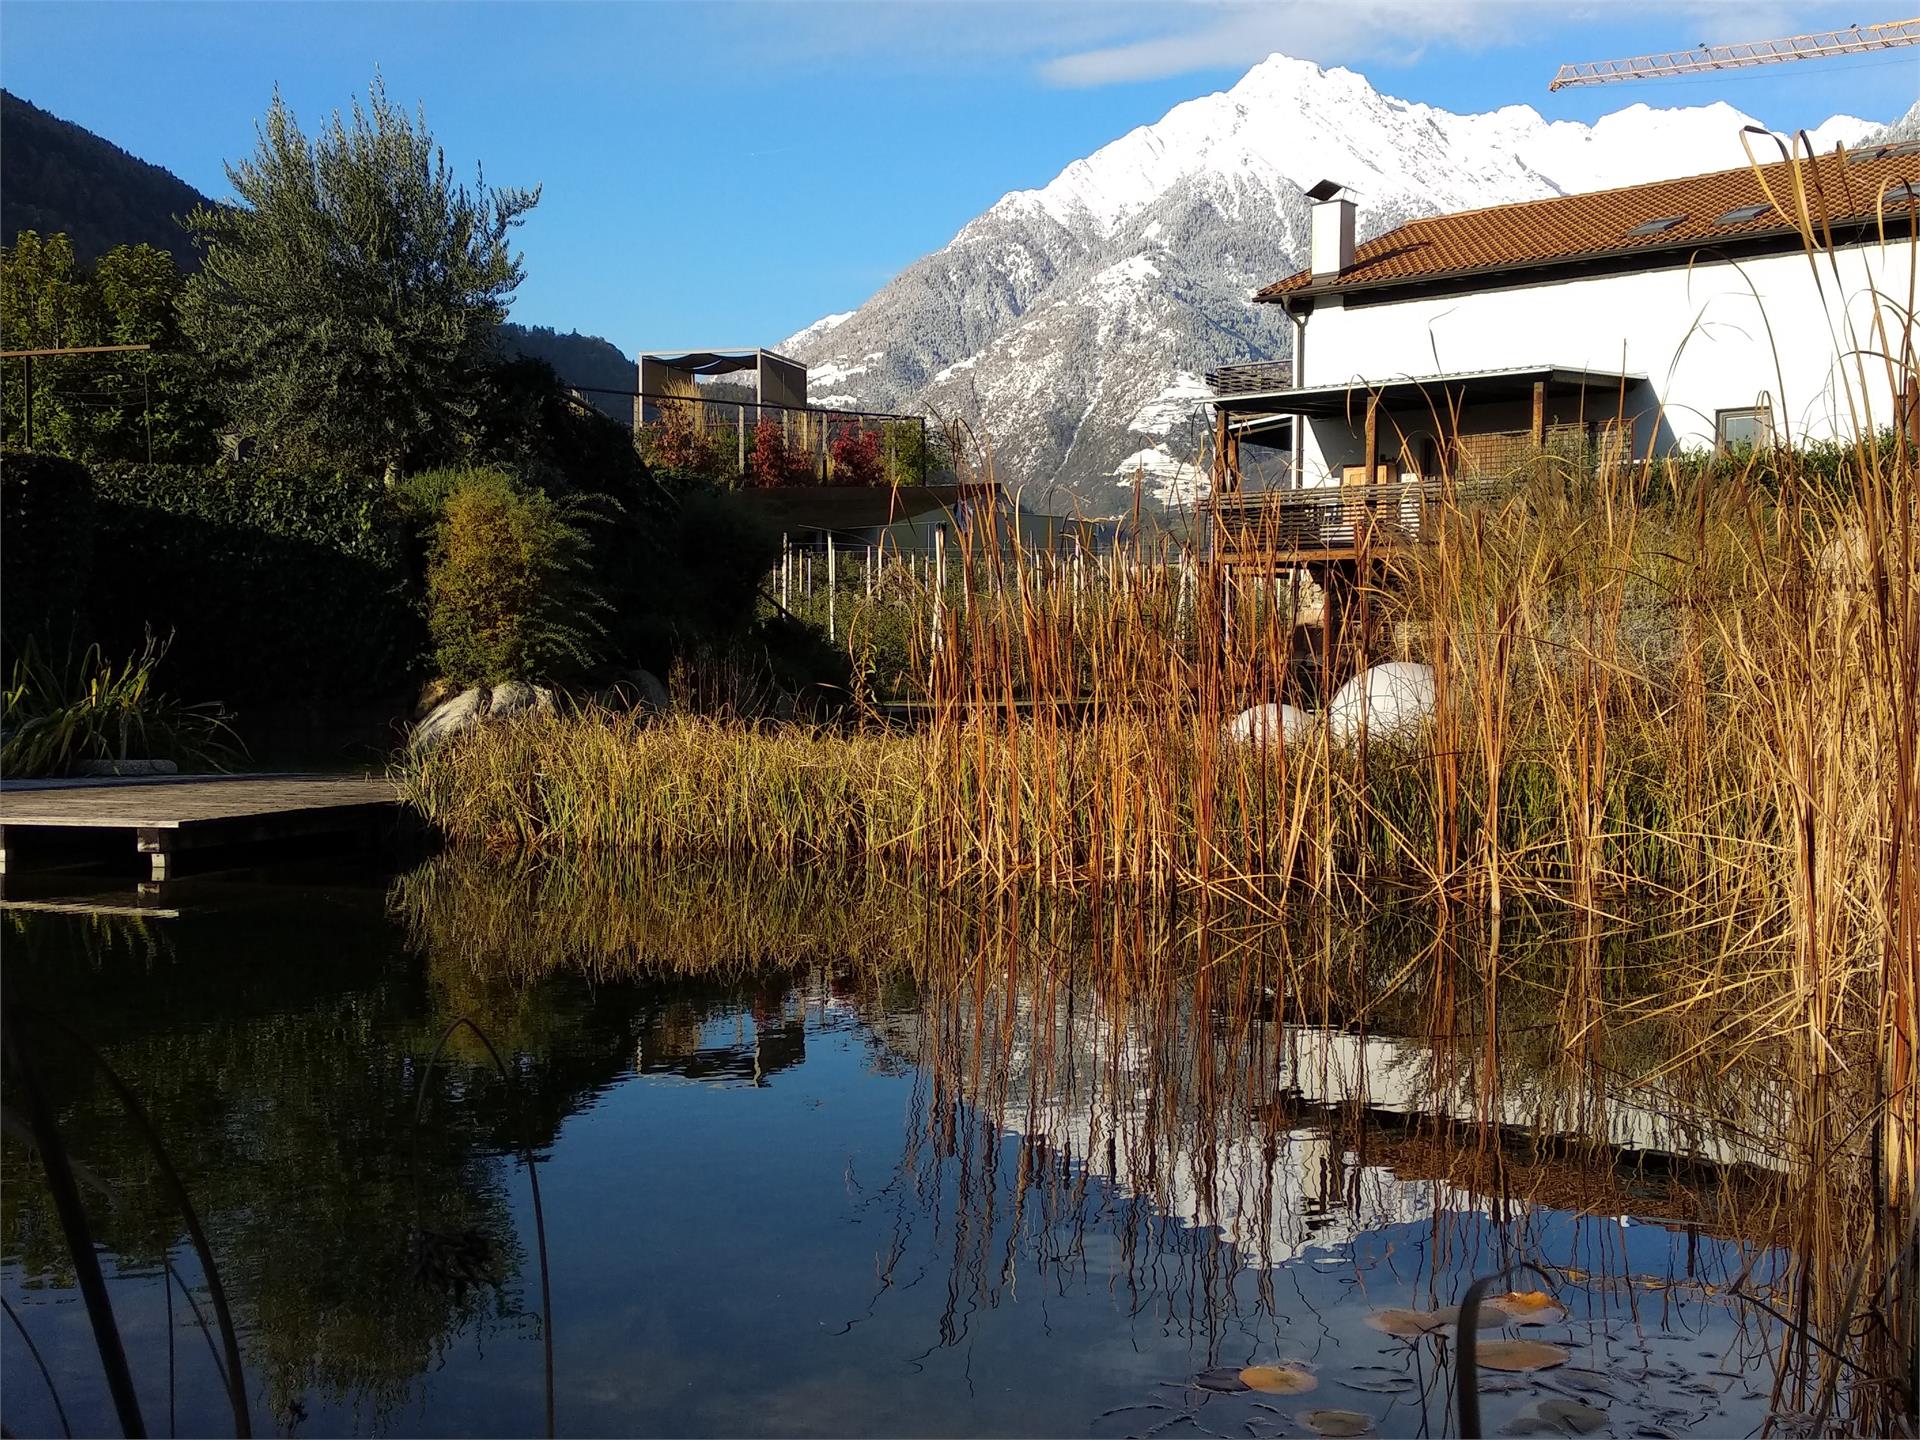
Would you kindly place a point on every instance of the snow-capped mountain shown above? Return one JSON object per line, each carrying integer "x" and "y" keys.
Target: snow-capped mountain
{"x": 1073, "y": 323}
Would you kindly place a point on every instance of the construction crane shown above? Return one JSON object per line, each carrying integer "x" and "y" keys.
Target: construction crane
{"x": 1818, "y": 46}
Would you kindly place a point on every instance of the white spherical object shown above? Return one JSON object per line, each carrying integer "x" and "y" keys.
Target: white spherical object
{"x": 1399, "y": 700}
{"x": 1270, "y": 724}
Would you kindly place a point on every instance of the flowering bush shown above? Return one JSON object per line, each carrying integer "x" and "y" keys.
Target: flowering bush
{"x": 856, "y": 458}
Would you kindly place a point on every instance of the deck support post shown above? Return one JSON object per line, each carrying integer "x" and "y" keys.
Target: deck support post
{"x": 1223, "y": 470}
{"x": 157, "y": 845}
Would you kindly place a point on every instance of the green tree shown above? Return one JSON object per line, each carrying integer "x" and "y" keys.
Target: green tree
{"x": 145, "y": 405}
{"x": 348, "y": 305}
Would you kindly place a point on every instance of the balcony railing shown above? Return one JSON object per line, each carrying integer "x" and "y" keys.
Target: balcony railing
{"x": 1327, "y": 521}
{"x": 1255, "y": 377}
{"x": 761, "y": 444}
{"x": 1512, "y": 454}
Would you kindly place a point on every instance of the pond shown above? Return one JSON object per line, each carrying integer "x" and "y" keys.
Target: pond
{"x": 815, "y": 1157}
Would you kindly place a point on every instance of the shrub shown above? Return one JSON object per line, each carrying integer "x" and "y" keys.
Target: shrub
{"x": 679, "y": 441}
{"x": 775, "y": 462}
{"x": 290, "y": 585}
{"x": 915, "y": 452}
{"x": 46, "y": 518}
{"x": 857, "y": 459}
{"x": 506, "y": 592}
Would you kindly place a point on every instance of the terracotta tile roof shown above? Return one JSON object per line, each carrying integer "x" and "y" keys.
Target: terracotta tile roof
{"x": 1602, "y": 224}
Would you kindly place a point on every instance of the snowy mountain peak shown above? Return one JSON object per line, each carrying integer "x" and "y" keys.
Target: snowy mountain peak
{"x": 1071, "y": 320}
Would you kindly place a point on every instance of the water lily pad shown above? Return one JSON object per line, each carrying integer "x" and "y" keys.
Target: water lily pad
{"x": 1337, "y": 1422}
{"x": 1519, "y": 1356}
{"x": 1528, "y": 1307}
{"x": 1222, "y": 1381}
{"x": 1278, "y": 1379}
{"x": 1489, "y": 1317}
{"x": 1409, "y": 1324}
{"x": 1557, "y": 1416}
{"x": 1412, "y": 1324}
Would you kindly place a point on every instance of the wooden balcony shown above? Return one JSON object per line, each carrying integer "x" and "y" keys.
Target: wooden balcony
{"x": 1280, "y": 529}
{"x": 1254, "y": 377}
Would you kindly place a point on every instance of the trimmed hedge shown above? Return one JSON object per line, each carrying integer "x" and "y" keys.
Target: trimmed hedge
{"x": 46, "y": 532}
{"x": 289, "y": 586}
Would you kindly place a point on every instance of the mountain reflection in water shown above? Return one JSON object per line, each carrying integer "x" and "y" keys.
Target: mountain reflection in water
{"x": 825, "y": 1156}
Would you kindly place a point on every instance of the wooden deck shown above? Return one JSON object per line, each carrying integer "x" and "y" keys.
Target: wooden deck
{"x": 170, "y": 815}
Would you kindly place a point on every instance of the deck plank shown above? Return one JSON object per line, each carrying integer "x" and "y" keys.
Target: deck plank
{"x": 186, "y": 801}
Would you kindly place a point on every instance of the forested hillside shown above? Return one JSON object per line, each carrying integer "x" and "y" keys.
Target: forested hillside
{"x": 56, "y": 178}
{"x": 579, "y": 360}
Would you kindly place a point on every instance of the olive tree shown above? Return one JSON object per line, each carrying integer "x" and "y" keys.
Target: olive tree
{"x": 348, "y": 304}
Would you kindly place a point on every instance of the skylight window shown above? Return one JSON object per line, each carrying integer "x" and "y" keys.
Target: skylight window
{"x": 1743, "y": 214}
{"x": 1657, "y": 227}
{"x": 1905, "y": 193}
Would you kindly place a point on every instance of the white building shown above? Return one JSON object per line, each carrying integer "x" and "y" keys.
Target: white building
{"x": 1764, "y": 303}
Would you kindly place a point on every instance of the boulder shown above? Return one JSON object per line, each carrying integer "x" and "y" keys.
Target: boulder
{"x": 1270, "y": 724}
{"x": 1399, "y": 701}
{"x": 652, "y": 693}
{"x": 432, "y": 696}
{"x": 449, "y": 718}
{"x": 514, "y": 696}
{"x": 471, "y": 706}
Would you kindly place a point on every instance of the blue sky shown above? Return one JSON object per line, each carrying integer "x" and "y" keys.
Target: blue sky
{"x": 724, "y": 173}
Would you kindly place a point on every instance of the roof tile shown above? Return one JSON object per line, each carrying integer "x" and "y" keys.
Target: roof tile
{"x": 1830, "y": 189}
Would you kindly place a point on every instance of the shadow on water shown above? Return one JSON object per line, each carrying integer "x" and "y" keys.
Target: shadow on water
{"x": 822, "y": 1154}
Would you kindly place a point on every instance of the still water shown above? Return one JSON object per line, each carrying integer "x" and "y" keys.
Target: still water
{"x": 798, "y": 1178}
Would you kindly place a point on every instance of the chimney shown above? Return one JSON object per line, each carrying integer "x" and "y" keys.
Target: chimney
{"x": 1332, "y": 230}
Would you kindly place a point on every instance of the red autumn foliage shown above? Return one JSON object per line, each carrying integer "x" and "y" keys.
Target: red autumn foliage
{"x": 674, "y": 441}
{"x": 774, "y": 462}
{"x": 856, "y": 458}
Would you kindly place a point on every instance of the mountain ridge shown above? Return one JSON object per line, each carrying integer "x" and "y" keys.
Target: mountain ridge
{"x": 59, "y": 177}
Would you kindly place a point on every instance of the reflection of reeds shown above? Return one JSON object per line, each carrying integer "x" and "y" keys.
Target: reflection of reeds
{"x": 1203, "y": 1064}
{"x": 518, "y": 921}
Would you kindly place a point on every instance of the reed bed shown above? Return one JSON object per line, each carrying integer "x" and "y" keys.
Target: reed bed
{"x": 1643, "y": 679}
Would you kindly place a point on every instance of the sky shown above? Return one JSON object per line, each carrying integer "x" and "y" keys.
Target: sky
{"x": 724, "y": 173}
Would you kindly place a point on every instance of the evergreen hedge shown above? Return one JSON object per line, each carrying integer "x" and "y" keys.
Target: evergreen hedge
{"x": 46, "y": 533}
{"x": 277, "y": 585}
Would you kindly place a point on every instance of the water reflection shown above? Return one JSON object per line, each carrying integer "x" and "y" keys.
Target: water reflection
{"x": 823, "y": 1156}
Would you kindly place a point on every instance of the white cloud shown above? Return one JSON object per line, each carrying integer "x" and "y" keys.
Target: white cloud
{"x": 1086, "y": 43}
{"x": 1231, "y": 35}
{"x": 1178, "y": 38}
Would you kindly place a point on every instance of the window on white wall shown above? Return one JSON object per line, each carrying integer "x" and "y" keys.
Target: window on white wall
{"x": 1749, "y": 427}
